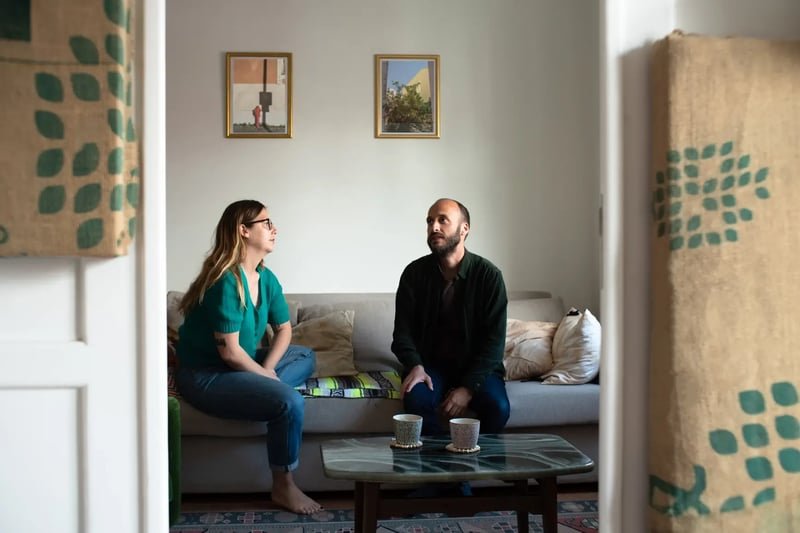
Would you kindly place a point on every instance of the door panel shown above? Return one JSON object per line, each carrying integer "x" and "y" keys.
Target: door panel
{"x": 40, "y": 296}
{"x": 42, "y": 432}
{"x": 69, "y": 384}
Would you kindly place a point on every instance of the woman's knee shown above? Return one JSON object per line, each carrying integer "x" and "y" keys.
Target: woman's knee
{"x": 309, "y": 361}
{"x": 295, "y": 405}
{"x": 283, "y": 403}
{"x": 304, "y": 357}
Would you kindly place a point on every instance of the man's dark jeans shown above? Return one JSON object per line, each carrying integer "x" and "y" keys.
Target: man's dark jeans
{"x": 490, "y": 403}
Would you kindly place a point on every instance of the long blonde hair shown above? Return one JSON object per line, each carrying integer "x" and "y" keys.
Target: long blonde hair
{"x": 228, "y": 252}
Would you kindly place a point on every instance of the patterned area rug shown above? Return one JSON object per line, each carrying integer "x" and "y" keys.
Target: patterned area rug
{"x": 573, "y": 516}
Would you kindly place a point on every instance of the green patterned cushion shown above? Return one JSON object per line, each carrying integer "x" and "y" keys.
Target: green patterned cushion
{"x": 363, "y": 385}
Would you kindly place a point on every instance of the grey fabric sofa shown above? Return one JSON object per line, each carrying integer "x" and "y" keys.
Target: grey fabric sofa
{"x": 227, "y": 456}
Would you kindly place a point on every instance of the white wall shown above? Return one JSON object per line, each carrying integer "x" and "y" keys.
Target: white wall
{"x": 519, "y": 145}
{"x": 768, "y": 19}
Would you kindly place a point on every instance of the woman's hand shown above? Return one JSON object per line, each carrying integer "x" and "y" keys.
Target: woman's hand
{"x": 235, "y": 357}
{"x": 277, "y": 346}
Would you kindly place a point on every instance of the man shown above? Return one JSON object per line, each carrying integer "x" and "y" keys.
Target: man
{"x": 450, "y": 328}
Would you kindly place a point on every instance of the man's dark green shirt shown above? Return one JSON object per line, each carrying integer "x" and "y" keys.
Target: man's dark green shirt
{"x": 481, "y": 301}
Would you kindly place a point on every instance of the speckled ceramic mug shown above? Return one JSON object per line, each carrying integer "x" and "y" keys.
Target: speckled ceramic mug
{"x": 464, "y": 432}
{"x": 407, "y": 429}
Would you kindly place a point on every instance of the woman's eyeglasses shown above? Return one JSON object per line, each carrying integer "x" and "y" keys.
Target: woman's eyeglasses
{"x": 267, "y": 222}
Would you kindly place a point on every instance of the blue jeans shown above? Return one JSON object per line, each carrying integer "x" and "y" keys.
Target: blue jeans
{"x": 226, "y": 393}
{"x": 490, "y": 402}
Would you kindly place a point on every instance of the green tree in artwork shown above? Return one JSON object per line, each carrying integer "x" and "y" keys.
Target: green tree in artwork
{"x": 404, "y": 110}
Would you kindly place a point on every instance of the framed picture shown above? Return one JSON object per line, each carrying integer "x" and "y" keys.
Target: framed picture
{"x": 258, "y": 94}
{"x": 406, "y": 96}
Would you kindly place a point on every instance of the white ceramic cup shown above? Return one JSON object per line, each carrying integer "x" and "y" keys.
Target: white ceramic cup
{"x": 464, "y": 432}
{"x": 407, "y": 429}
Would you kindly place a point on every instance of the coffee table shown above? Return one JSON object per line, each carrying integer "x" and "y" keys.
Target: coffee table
{"x": 513, "y": 457}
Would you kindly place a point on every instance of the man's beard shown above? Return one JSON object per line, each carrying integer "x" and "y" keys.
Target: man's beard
{"x": 445, "y": 248}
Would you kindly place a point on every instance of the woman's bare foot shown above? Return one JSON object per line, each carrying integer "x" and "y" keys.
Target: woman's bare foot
{"x": 288, "y": 495}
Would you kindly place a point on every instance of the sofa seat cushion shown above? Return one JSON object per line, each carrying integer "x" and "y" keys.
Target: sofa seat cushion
{"x": 196, "y": 422}
{"x": 533, "y": 404}
{"x": 351, "y": 403}
{"x": 536, "y": 404}
{"x": 339, "y": 416}
{"x": 322, "y": 415}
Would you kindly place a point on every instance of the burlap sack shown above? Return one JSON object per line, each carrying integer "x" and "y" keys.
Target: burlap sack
{"x": 725, "y": 363}
{"x": 69, "y": 160}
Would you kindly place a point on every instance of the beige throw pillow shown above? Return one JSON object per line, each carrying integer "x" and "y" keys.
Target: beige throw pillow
{"x": 331, "y": 337}
{"x": 528, "y": 348}
{"x": 576, "y": 350}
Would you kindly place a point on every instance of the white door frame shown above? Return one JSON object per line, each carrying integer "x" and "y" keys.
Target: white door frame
{"x": 627, "y": 27}
{"x": 152, "y": 284}
{"x": 152, "y": 274}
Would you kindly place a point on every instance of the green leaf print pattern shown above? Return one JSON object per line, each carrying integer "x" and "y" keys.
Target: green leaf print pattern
{"x": 705, "y": 195}
{"x": 53, "y": 125}
{"x": 757, "y": 448}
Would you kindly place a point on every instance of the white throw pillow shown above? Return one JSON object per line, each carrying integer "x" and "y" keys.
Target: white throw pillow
{"x": 331, "y": 337}
{"x": 528, "y": 348}
{"x": 576, "y": 350}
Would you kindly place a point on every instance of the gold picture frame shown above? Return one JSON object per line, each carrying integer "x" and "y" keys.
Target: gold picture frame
{"x": 258, "y": 95}
{"x": 407, "y": 96}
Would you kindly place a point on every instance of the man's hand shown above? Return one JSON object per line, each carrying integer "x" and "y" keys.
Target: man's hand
{"x": 456, "y": 402}
{"x": 417, "y": 375}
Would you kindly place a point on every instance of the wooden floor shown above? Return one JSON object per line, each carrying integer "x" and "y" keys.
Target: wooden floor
{"x": 329, "y": 500}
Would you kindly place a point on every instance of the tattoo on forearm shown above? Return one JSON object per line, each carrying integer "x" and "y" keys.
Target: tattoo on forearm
{"x": 220, "y": 341}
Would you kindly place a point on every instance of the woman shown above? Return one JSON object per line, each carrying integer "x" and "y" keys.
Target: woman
{"x": 222, "y": 371}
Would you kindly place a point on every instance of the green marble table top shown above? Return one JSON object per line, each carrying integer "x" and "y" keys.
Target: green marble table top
{"x": 511, "y": 456}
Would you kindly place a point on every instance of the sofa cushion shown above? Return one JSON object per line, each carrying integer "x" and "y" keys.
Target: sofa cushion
{"x": 330, "y": 336}
{"x": 174, "y": 316}
{"x": 322, "y": 415}
{"x": 196, "y": 422}
{"x": 373, "y": 323}
{"x": 351, "y": 395}
{"x": 172, "y": 363}
{"x": 362, "y": 385}
{"x": 532, "y": 404}
{"x": 535, "y": 404}
{"x": 528, "y": 351}
{"x": 541, "y": 309}
{"x": 341, "y": 416}
{"x": 576, "y": 350}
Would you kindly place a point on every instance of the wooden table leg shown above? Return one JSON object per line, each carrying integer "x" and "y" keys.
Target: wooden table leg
{"x": 549, "y": 504}
{"x": 367, "y": 500}
{"x": 358, "y": 519}
{"x": 522, "y": 511}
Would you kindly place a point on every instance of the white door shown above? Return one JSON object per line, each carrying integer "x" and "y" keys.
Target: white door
{"x": 68, "y": 395}
{"x": 82, "y": 363}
